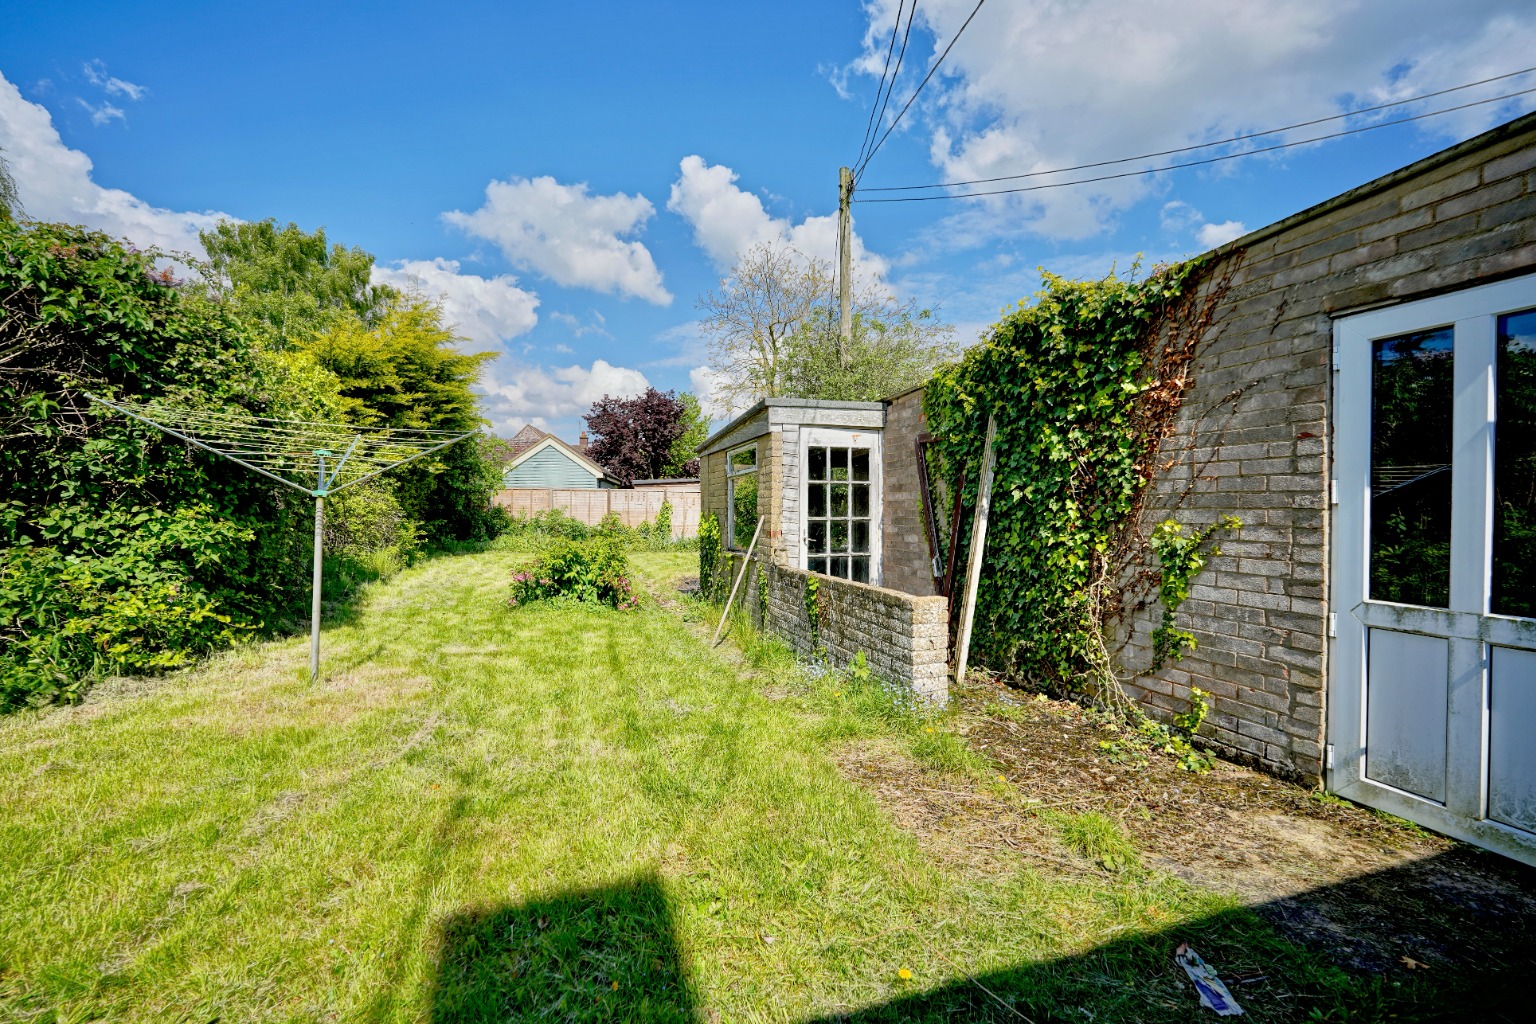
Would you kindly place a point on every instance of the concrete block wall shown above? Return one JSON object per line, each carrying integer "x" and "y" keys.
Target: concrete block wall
{"x": 1259, "y": 610}
{"x": 903, "y": 637}
{"x": 906, "y": 560}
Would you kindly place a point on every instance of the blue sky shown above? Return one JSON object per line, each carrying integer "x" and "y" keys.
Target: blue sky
{"x": 571, "y": 177}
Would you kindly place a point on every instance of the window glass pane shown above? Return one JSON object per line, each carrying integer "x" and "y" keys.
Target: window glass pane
{"x": 860, "y": 536}
{"x": 1411, "y": 400}
{"x": 818, "y": 464}
{"x": 838, "y": 567}
{"x": 839, "y": 535}
{"x": 861, "y": 570}
{"x": 816, "y": 500}
{"x": 1514, "y": 468}
{"x": 744, "y": 459}
{"x": 861, "y": 500}
{"x": 861, "y": 463}
{"x": 839, "y": 499}
{"x": 816, "y": 537}
{"x": 817, "y": 565}
{"x": 743, "y": 510}
{"x": 839, "y": 463}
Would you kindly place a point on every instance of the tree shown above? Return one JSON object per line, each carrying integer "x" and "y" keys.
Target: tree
{"x": 294, "y": 282}
{"x": 894, "y": 347}
{"x": 633, "y": 438}
{"x": 683, "y": 459}
{"x": 773, "y": 331}
{"x": 405, "y": 371}
{"x": 769, "y": 295}
{"x": 10, "y": 197}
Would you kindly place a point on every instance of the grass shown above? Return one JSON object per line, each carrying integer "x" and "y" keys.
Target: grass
{"x": 485, "y": 813}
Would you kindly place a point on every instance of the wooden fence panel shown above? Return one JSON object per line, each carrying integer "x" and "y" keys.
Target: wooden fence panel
{"x": 589, "y": 506}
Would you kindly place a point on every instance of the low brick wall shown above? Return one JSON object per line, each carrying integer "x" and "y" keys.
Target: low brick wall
{"x": 904, "y": 637}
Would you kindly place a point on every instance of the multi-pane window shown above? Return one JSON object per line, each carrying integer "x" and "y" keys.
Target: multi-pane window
{"x": 741, "y": 495}
{"x": 838, "y": 511}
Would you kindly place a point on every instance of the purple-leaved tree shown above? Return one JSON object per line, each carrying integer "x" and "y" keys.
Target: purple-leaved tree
{"x": 632, "y": 438}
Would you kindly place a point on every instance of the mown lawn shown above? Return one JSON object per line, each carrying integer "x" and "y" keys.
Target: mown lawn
{"x": 542, "y": 813}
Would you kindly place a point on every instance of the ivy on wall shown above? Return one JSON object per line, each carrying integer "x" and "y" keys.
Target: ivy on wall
{"x": 1085, "y": 383}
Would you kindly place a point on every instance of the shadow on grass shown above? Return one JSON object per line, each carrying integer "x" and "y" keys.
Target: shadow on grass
{"x": 610, "y": 955}
{"x": 601, "y": 955}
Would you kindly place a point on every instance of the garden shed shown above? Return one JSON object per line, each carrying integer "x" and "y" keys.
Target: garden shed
{"x": 814, "y": 474}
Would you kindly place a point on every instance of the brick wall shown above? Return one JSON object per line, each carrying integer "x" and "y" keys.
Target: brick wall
{"x": 1259, "y": 609}
{"x": 904, "y": 539}
{"x": 903, "y": 637}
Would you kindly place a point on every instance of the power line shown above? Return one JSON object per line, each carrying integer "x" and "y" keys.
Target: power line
{"x": 869, "y": 127}
{"x": 915, "y": 92}
{"x": 1201, "y": 163}
{"x": 1205, "y": 145}
{"x": 890, "y": 87}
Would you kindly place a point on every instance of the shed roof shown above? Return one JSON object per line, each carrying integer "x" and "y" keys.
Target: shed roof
{"x": 792, "y": 405}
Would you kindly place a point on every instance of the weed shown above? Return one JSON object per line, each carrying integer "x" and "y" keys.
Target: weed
{"x": 1099, "y": 839}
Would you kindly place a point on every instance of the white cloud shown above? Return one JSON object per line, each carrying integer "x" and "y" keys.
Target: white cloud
{"x": 1212, "y": 235}
{"x": 487, "y": 310}
{"x": 96, "y": 74}
{"x": 568, "y": 235}
{"x": 55, "y": 184}
{"x": 702, "y": 382}
{"x": 519, "y": 393}
{"x": 580, "y": 328}
{"x": 1031, "y": 87}
{"x": 104, "y": 114}
{"x": 728, "y": 221}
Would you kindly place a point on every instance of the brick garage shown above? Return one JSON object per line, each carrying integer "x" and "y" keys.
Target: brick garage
{"x": 1460, "y": 218}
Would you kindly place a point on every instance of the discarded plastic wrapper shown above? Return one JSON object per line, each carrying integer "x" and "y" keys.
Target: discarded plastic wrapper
{"x": 1213, "y": 994}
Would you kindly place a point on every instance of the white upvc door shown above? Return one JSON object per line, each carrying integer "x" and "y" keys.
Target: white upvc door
{"x": 1432, "y": 681}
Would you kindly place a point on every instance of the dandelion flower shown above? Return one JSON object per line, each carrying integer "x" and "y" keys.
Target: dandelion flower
{"x": 904, "y": 974}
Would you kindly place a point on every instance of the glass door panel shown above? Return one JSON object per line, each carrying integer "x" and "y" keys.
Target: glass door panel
{"x": 1412, "y": 395}
{"x": 1514, "y": 468}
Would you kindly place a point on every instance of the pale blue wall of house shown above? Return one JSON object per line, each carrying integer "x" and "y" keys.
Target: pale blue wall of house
{"x": 550, "y": 468}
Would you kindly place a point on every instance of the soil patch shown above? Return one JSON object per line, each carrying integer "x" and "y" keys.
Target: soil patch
{"x": 1376, "y": 892}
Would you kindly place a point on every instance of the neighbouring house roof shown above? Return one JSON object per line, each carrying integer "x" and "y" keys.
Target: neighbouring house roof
{"x": 665, "y": 480}
{"x": 546, "y": 441}
{"x": 523, "y": 440}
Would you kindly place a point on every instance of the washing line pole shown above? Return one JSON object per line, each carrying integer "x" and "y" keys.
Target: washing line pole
{"x": 325, "y": 485}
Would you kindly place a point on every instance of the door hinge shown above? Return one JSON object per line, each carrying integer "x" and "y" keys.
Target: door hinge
{"x": 1328, "y": 757}
{"x": 1333, "y": 492}
{"x": 1333, "y": 624}
{"x": 1335, "y": 353}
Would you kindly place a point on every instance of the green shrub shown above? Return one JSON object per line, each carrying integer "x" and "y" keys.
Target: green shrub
{"x": 711, "y": 557}
{"x": 584, "y": 572}
{"x": 129, "y": 605}
{"x": 662, "y": 527}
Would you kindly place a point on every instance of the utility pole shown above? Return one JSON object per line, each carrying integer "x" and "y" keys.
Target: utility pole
{"x": 844, "y": 265}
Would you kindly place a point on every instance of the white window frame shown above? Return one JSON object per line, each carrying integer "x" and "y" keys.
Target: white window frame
{"x": 826, "y": 437}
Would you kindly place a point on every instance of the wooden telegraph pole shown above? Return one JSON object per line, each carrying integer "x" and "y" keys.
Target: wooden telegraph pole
{"x": 844, "y": 265}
